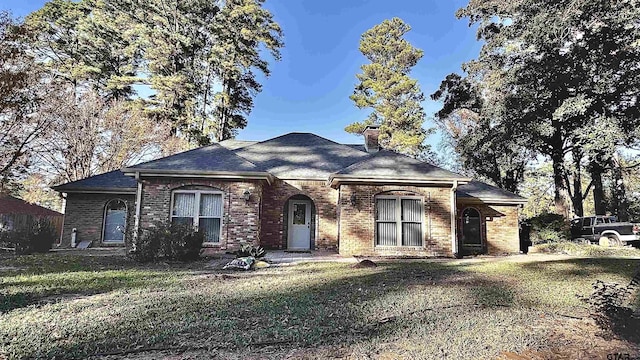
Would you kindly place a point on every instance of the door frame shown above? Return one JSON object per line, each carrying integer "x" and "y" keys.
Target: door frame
{"x": 308, "y": 219}
{"x": 473, "y": 248}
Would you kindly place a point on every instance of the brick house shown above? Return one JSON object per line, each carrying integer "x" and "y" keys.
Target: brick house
{"x": 298, "y": 191}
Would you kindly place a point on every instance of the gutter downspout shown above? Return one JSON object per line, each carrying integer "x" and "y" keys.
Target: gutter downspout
{"x": 64, "y": 218}
{"x": 138, "y": 207}
{"x": 454, "y": 235}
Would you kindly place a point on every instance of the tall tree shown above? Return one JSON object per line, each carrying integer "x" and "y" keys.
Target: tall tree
{"x": 386, "y": 87}
{"x": 21, "y": 91}
{"x": 81, "y": 48}
{"x": 243, "y": 28}
{"x": 171, "y": 37}
{"x": 199, "y": 59}
{"x": 483, "y": 136}
{"x": 567, "y": 67}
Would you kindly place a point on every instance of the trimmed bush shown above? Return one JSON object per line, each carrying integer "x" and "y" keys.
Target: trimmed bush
{"x": 549, "y": 227}
{"x": 166, "y": 241}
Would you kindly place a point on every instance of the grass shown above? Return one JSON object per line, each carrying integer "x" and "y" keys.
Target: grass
{"x": 77, "y": 306}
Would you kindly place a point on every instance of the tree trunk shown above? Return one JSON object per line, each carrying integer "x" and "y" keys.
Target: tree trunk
{"x": 618, "y": 190}
{"x": 510, "y": 181}
{"x": 578, "y": 208}
{"x": 561, "y": 193}
{"x": 222, "y": 128}
{"x": 598, "y": 190}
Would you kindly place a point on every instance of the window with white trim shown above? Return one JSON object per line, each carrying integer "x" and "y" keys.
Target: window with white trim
{"x": 202, "y": 209}
{"x": 399, "y": 221}
{"x": 115, "y": 221}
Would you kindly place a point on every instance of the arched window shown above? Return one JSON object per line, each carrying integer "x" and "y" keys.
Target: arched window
{"x": 115, "y": 221}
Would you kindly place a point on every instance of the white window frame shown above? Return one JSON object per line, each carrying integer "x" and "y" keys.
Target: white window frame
{"x": 399, "y": 221}
{"x": 104, "y": 221}
{"x": 196, "y": 217}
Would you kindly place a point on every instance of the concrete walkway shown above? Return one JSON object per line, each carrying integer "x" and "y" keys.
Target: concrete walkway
{"x": 287, "y": 257}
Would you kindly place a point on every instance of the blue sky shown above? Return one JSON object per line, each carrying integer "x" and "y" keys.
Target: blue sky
{"x": 308, "y": 90}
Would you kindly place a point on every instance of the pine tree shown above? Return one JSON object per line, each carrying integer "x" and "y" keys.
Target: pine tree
{"x": 82, "y": 48}
{"x": 386, "y": 87}
{"x": 243, "y": 27}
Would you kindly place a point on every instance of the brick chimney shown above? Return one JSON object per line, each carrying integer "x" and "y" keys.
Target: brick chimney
{"x": 371, "y": 134}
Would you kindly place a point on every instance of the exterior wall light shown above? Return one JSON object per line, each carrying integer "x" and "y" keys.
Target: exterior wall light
{"x": 246, "y": 195}
{"x": 352, "y": 199}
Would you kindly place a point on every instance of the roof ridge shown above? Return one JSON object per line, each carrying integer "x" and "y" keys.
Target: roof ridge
{"x": 300, "y": 132}
{"x": 259, "y": 142}
{"x": 337, "y": 143}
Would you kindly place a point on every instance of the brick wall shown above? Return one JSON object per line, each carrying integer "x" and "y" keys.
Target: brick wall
{"x": 241, "y": 219}
{"x": 85, "y": 213}
{"x": 499, "y": 224}
{"x": 357, "y": 223}
{"x": 324, "y": 200}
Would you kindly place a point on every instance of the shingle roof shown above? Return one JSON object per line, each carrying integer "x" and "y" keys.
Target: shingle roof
{"x": 482, "y": 191}
{"x": 291, "y": 156}
{"x": 301, "y": 155}
{"x": 233, "y": 144}
{"x": 357, "y": 146}
{"x": 212, "y": 158}
{"x": 388, "y": 164}
{"x": 113, "y": 180}
{"x": 13, "y": 205}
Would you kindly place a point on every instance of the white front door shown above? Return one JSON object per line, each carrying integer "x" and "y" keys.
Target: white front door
{"x": 299, "y": 225}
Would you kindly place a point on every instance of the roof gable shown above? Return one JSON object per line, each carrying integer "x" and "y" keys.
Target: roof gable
{"x": 386, "y": 164}
{"x": 301, "y": 155}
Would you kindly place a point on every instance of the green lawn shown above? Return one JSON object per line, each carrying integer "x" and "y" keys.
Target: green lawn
{"x": 75, "y": 306}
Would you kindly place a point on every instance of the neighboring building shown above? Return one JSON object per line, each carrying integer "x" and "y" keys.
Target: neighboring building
{"x": 17, "y": 214}
{"x": 299, "y": 191}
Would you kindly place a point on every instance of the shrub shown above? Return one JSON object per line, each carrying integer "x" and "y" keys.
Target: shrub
{"x": 36, "y": 237}
{"x": 609, "y": 305}
{"x": 169, "y": 242}
{"x": 250, "y": 250}
{"x": 549, "y": 228}
{"x": 183, "y": 244}
{"x": 579, "y": 249}
{"x": 146, "y": 246}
